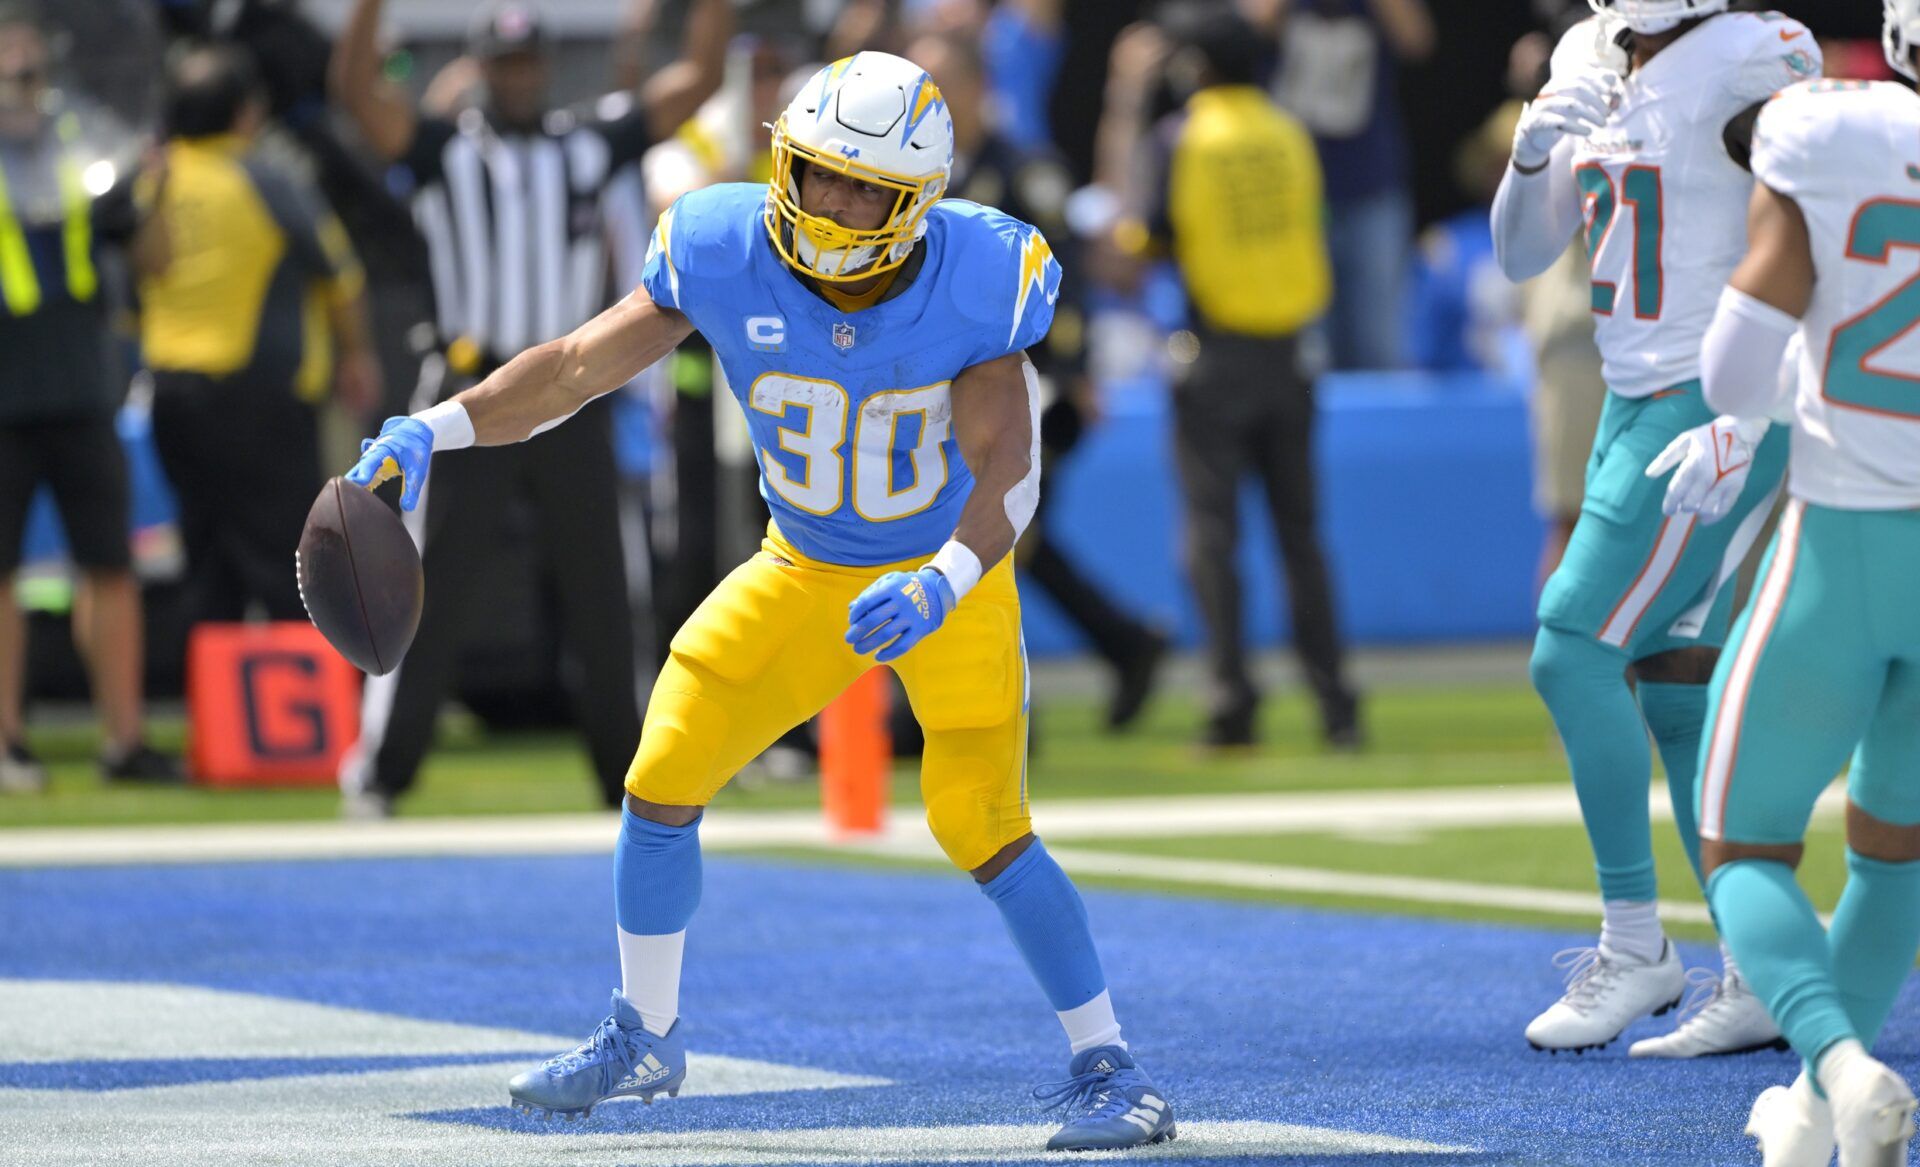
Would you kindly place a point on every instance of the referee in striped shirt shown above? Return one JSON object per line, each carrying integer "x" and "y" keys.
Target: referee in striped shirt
{"x": 508, "y": 197}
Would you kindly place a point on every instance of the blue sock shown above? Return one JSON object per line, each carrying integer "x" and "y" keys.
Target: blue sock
{"x": 656, "y": 887}
{"x": 1584, "y": 685}
{"x": 1677, "y": 716}
{"x": 1049, "y": 926}
{"x": 1766, "y": 920}
{"x": 656, "y": 875}
{"x": 1875, "y": 931}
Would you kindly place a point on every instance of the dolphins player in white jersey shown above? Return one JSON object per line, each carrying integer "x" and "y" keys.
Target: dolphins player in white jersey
{"x": 1641, "y": 133}
{"x": 1825, "y": 663}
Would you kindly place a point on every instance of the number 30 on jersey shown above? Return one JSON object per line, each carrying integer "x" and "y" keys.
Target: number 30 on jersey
{"x": 899, "y": 455}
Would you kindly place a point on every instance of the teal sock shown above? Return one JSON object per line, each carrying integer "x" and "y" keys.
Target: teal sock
{"x": 1766, "y": 920}
{"x": 1677, "y": 716}
{"x": 1876, "y": 930}
{"x": 1584, "y": 685}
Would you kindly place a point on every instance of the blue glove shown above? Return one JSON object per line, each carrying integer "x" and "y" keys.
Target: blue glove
{"x": 898, "y": 611}
{"x": 404, "y": 447}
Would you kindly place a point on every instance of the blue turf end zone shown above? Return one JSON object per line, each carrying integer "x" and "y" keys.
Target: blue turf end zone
{"x": 1242, "y": 1012}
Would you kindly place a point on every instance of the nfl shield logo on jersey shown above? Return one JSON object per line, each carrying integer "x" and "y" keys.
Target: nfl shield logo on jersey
{"x": 843, "y": 336}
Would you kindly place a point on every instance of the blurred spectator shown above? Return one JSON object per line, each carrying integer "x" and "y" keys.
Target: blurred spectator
{"x": 1462, "y": 312}
{"x": 862, "y": 24}
{"x": 1024, "y": 43}
{"x": 239, "y": 327}
{"x": 1338, "y": 73}
{"x": 58, "y": 206}
{"x": 729, "y": 138}
{"x": 1232, "y": 186}
{"x": 508, "y": 196}
{"x": 1033, "y": 186}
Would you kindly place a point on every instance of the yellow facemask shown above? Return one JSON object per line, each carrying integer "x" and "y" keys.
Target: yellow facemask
{"x": 841, "y": 254}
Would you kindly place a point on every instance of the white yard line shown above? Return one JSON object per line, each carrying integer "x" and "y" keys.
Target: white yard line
{"x": 1350, "y": 885}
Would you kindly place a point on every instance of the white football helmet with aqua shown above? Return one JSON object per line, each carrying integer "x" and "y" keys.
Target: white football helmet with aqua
{"x": 874, "y": 117}
{"x": 1653, "y": 17}
{"x": 1900, "y": 33}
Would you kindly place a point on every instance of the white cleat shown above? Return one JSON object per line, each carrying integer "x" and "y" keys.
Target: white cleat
{"x": 1872, "y": 1114}
{"x": 1606, "y": 992}
{"x": 1792, "y": 1125}
{"x": 1723, "y": 1016}
{"x": 20, "y": 771}
{"x": 365, "y": 806}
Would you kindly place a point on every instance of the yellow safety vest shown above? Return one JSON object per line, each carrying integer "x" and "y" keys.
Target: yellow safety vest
{"x": 1245, "y": 202}
{"x": 19, "y": 283}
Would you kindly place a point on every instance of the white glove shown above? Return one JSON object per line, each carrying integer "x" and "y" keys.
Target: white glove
{"x": 1714, "y": 461}
{"x": 1577, "y": 107}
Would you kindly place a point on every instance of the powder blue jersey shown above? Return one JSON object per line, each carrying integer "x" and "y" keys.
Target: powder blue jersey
{"x": 851, "y": 412}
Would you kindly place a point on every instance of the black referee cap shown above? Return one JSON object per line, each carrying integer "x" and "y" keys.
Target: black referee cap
{"x": 506, "y": 27}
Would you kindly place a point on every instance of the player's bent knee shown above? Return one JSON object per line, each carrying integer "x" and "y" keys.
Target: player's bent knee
{"x": 1717, "y": 853}
{"x": 1678, "y": 666}
{"x": 680, "y": 745}
{"x": 1877, "y": 839}
{"x": 970, "y": 829}
{"x": 1565, "y": 663}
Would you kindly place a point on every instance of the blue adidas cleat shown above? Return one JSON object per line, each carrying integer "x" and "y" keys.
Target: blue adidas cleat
{"x": 621, "y": 1060}
{"x": 1110, "y": 1102}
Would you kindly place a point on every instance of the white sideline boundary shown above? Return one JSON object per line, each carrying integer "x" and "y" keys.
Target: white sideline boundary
{"x": 1103, "y": 823}
{"x": 1395, "y": 812}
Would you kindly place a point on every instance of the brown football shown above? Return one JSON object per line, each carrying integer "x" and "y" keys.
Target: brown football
{"x": 360, "y": 576}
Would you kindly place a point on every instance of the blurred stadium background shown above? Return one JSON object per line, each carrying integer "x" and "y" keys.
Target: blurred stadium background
{"x": 1456, "y": 809}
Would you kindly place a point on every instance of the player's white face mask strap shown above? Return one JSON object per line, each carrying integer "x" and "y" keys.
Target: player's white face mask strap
{"x": 1652, "y": 17}
{"x": 1900, "y": 31}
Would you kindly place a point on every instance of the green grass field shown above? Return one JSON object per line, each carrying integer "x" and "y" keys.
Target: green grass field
{"x": 1472, "y": 736}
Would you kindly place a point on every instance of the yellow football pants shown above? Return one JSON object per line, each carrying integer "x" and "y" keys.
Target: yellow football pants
{"x": 765, "y": 652}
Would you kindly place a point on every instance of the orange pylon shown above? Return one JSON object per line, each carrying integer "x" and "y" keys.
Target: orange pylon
{"x": 856, "y": 755}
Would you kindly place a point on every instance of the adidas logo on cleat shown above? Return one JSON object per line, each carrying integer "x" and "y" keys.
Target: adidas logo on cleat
{"x": 1104, "y": 1066}
{"x": 655, "y": 1071}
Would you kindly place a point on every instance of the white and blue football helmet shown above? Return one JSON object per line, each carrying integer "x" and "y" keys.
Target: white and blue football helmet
{"x": 1900, "y": 33}
{"x": 1652, "y": 17}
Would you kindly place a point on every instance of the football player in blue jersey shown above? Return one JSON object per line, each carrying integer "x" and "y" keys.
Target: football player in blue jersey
{"x": 875, "y": 337}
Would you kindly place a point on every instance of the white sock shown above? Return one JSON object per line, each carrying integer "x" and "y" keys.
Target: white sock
{"x": 1632, "y": 929}
{"x": 1836, "y": 1058}
{"x": 1729, "y": 968}
{"x": 650, "y": 976}
{"x": 1092, "y": 1024}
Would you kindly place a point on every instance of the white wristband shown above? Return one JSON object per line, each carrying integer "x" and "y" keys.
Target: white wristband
{"x": 452, "y": 428}
{"x": 960, "y": 565}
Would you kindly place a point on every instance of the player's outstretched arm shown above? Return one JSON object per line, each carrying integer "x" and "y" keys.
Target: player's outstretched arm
{"x": 995, "y": 411}
{"x": 549, "y": 383}
{"x": 533, "y": 392}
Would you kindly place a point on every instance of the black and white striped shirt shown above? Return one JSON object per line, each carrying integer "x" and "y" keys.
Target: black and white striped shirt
{"x": 514, "y": 221}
